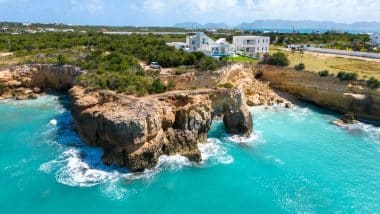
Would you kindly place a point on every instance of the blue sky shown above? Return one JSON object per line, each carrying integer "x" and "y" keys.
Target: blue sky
{"x": 169, "y": 12}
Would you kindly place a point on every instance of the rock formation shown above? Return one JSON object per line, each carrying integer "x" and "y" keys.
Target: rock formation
{"x": 330, "y": 92}
{"x": 134, "y": 132}
{"x": 24, "y": 82}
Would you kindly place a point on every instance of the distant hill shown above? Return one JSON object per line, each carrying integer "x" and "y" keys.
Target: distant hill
{"x": 220, "y": 25}
{"x": 307, "y": 24}
{"x": 288, "y": 24}
{"x": 188, "y": 25}
{"x": 195, "y": 25}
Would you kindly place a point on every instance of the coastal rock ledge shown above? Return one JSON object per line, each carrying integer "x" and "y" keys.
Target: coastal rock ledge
{"x": 135, "y": 132}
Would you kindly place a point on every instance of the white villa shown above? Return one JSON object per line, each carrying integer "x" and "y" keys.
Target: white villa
{"x": 201, "y": 42}
{"x": 242, "y": 45}
{"x": 375, "y": 39}
{"x": 251, "y": 45}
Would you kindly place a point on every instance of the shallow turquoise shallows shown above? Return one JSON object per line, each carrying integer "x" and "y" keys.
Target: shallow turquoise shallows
{"x": 296, "y": 162}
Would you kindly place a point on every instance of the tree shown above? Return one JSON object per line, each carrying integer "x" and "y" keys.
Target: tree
{"x": 277, "y": 59}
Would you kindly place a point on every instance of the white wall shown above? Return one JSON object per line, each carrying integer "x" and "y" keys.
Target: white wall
{"x": 251, "y": 44}
{"x": 375, "y": 38}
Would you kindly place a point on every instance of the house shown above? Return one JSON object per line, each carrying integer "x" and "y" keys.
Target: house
{"x": 201, "y": 42}
{"x": 375, "y": 39}
{"x": 178, "y": 45}
{"x": 251, "y": 45}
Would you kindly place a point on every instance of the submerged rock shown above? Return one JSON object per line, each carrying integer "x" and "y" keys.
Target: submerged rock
{"x": 349, "y": 118}
{"x": 346, "y": 119}
{"x": 288, "y": 105}
{"x": 135, "y": 132}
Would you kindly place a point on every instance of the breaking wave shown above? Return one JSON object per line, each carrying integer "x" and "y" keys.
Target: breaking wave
{"x": 370, "y": 131}
{"x": 79, "y": 165}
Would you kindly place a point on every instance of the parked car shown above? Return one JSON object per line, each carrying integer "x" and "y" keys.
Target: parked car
{"x": 155, "y": 65}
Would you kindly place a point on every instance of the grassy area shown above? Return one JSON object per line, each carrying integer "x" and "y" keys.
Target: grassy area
{"x": 319, "y": 62}
{"x": 241, "y": 59}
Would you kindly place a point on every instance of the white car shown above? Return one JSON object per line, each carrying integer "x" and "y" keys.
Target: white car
{"x": 155, "y": 65}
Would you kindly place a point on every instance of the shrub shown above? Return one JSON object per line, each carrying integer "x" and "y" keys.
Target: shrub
{"x": 345, "y": 76}
{"x": 180, "y": 71}
{"x": 373, "y": 82}
{"x": 277, "y": 59}
{"x": 300, "y": 67}
{"x": 61, "y": 60}
{"x": 171, "y": 85}
{"x": 207, "y": 64}
{"x": 226, "y": 85}
{"x": 157, "y": 87}
{"x": 324, "y": 73}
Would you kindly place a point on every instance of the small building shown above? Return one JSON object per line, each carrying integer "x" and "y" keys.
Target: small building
{"x": 201, "y": 42}
{"x": 375, "y": 39}
{"x": 251, "y": 45}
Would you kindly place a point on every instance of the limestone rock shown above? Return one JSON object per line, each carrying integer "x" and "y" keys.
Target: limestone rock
{"x": 254, "y": 100}
{"x": 288, "y": 105}
{"x": 329, "y": 92}
{"x": 135, "y": 132}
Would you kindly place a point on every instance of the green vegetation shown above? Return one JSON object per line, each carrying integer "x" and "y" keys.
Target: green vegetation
{"x": 180, "y": 71}
{"x": 61, "y": 60}
{"x": 113, "y": 60}
{"x": 334, "y": 40}
{"x": 226, "y": 85}
{"x": 346, "y": 76}
{"x": 300, "y": 67}
{"x": 324, "y": 73}
{"x": 277, "y": 59}
{"x": 240, "y": 59}
{"x": 315, "y": 62}
{"x": 373, "y": 83}
{"x": 208, "y": 64}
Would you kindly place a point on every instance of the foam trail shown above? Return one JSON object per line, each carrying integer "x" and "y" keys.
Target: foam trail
{"x": 213, "y": 153}
{"x": 371, "y": 131}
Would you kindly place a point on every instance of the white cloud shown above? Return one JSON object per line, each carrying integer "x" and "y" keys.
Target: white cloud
{"x": 249, "y": 10}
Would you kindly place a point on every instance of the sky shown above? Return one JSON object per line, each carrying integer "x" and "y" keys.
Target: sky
{"x": 169, "y": 12}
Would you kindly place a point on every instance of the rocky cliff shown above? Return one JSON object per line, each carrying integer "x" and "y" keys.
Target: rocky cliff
{"x": 23, "y": 82}
{"x": 330, "y": 92}
{"x": 134, "y": 132}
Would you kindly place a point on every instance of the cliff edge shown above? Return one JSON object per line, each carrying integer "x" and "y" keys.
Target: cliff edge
{"x": 329, "y": 92}
{"x": 135, "y": 132}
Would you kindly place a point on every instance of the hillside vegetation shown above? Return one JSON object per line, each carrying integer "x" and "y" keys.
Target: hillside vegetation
{"x": 113, "y": 60}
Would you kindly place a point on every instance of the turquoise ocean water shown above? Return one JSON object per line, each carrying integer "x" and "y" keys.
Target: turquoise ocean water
{"x": 296, "y": 162}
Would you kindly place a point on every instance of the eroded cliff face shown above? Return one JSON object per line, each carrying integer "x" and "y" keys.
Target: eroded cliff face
{"x": 134, "y": 132}
{"x": 23, "y": 82}
{"x": 330, "y": 92}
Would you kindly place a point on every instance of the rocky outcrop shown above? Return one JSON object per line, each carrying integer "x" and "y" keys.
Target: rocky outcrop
{"x": 346, "y": 119}
{"x": 134, "y": 132}
{"x": 24, "y": 82}
{"x": 330, "y": 92}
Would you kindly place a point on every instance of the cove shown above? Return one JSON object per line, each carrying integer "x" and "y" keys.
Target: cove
{"x": 296, "y": 161}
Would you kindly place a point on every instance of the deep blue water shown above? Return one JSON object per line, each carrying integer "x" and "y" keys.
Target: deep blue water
{"x": 296, "y": 162}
